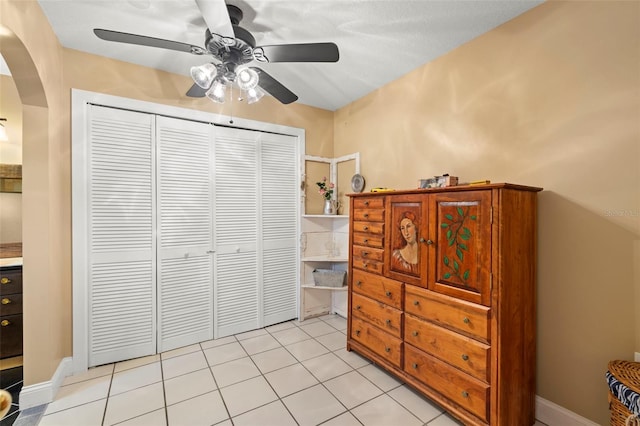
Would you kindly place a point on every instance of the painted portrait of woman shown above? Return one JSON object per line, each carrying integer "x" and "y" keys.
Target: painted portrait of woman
{"x": 405, "y": 257}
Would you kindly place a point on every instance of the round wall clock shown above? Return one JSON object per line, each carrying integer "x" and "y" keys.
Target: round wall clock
{"x": 357, "y": 183}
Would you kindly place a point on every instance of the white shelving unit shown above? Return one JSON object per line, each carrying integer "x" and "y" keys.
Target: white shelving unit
{"x": 324, "y": 244}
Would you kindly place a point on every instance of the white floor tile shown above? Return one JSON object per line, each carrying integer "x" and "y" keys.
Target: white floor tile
{"x": 345, "y": 419}
{"x": 280, "y": 327}
{"x": 254, "y": 345}
{"x": 313, "y": 406}
{"x": 379, "y": 377}
{"x": 445, "y": 420}
{"x": 80, "y": 393}
{"x": 352, "y": 358}
{"x": 225, "y": 353}
{"x": 384, "y": 411}
{"x": 188, "y": 386}
{"x": 290, "y": 379}
{"x": 307, "y": 321}
{"x": 327, "y": 366}
{"x": 273, "y": 359}
{"x": 234, "y": 371}
{"x": 177, "y": 366}
{"x": 317, "y": 329}
{"x": 155, "y": 418}
{"x": 273, "y": 414}
{"x": 181, "y": 351}
{"x": 291, "y": 335}
{"x": 134, "y": 403}
{"x": 306, "y": 349}
{"x": 337, "y": 322}
{"x": 250, "y": 334}
{"x": 83, "y": 415}
{"x": 247, "y": 395}
{"x": 136, "y": 362}
{"x": 352, "y": 389}
{"x": 133, "y": 378}
{"x": 218, "y": 342}
{"x": 421, "y": 407}
{"x": 202, "y": 410}
{"x": 333, "y": 341}
{"x": 92, "y": 373}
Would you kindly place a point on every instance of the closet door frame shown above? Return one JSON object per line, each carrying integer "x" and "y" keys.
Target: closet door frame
{"x": 80, "y": 102}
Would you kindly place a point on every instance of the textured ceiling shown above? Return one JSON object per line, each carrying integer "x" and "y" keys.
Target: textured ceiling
{"x": 379, "y": 41}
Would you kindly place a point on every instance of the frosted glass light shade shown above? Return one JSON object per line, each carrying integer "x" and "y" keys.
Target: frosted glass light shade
{"x": 203, "y": 75}
{"x": 246, "y": 78}
{"x": 254, "y": 95}
{"x": 217, "y": 93}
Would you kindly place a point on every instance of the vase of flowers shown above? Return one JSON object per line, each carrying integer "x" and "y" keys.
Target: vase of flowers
{"x": 326, "y": 190}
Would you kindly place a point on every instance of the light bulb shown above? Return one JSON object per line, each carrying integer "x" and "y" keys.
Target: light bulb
{"x": 246, "y": 78}
{"x": 217, "y": 92}
{"x": 203, "y": 75}
{"x": 254, "y": 95}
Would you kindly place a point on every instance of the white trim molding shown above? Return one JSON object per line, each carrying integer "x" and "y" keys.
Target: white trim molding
{"x": 637, "y": 357}
{"x": 45, "y": 392}
{"x": 554, "y": 415}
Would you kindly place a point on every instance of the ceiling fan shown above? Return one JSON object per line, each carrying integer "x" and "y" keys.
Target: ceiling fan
{"x": 232, "y": 48}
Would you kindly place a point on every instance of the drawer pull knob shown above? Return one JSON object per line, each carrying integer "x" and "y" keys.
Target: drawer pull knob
{"x": 6, "y": 301}
{"x": 387, "y": 293}
{"x": 415, "y": 366}
{"x": 387, "y": 349}
{"x": 415, "y": 334}
{"x": 357, "y": 332}
{"x": 4, "y": 280}
{"x": 416, "y": 302}
{"x": 366, "y": 203}
{"x": 5, "y": 323}
{"x": 366, "y": 241}
{"x": 357, "y": 307}
{"x": 359, "y": 283}
{"x": 366, "y": 215}
{"x": 466, "y": 320}
{"x": 365, "y": 253}
{"x": 465, "y": 357}
{"x": 429, "y": 242}
{"x": 365, "y": 265}
{"x": 366, "y": 228}
{"x": 465, "y": 394}
{"x": 388, "y": 321}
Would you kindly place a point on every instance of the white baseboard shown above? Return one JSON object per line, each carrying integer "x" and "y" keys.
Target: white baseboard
{"x": 554, "y": 415}
{"x": 637, "y": 357}
{"x": 44, "y": 392}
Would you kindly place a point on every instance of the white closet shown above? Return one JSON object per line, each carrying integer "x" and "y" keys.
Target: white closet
{"x": 191, "y": 231}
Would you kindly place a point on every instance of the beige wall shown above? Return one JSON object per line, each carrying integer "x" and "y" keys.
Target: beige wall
{"x": 550, "y": 99}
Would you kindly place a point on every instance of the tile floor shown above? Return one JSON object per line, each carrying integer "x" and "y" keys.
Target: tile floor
{"x": 294, "y": 373}
{"x": 11, "y": 381}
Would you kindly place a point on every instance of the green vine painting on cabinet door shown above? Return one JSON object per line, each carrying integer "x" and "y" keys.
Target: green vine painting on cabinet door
{"x": 458, "y": 235}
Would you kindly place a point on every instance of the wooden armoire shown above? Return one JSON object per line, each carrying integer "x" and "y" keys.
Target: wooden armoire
{"x": 442, "y": 294}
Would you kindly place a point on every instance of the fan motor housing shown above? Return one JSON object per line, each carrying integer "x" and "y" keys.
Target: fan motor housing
{"x": 238, "y": 50}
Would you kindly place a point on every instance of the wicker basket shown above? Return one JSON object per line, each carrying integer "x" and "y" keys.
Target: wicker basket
{"x": 628, "y": 373}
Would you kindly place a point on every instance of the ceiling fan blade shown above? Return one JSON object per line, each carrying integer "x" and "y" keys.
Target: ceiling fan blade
{"x": 305, "y": 52}
{"x": 109, "y": 35}
{"x": 216, "y": 16}
{"x": 274, "y": 87}
{"x": 196, "y": 91}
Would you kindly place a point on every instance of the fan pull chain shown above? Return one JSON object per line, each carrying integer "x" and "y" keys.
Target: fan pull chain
{"x": 231, "y": 118}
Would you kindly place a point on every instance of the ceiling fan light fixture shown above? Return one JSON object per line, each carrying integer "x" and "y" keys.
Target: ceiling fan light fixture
{"x": 218, "y": 92}
{"x": 246, "y": 78}
{"x": 203, "y": 75}
{"x": 254, "y": 95}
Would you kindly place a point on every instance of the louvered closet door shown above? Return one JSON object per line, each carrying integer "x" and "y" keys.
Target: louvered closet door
{"x": 185, "y": 232}
{"x": 255, "y": 230}
{"x": 121, "y": 285}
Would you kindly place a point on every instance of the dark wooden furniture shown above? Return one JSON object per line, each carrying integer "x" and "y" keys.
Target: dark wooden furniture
{"x": 442, "y": 295}
{"x": 10, "y": 311}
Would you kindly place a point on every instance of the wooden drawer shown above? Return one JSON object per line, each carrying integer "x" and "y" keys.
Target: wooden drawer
{"x": 369, "y": 203}
{"x": 377, "y": 313}
{"x": 383, "y": 344}
{"x": 10, "y": 335}
{"x": 460, "y": 351}
{"x": 10, "y": 304}
{"x": 368, "y": 265}
{"x": 370, "y": 227}
{"x": 471, "y": 394}
{"x": 11, "y": 280}
{"x": 368, "y": 240}
{"x": 378, "y": 287}
{"x": 372, "y": 215}
{"x": 465, "y": 317}
{"x": 368, "y": 253}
